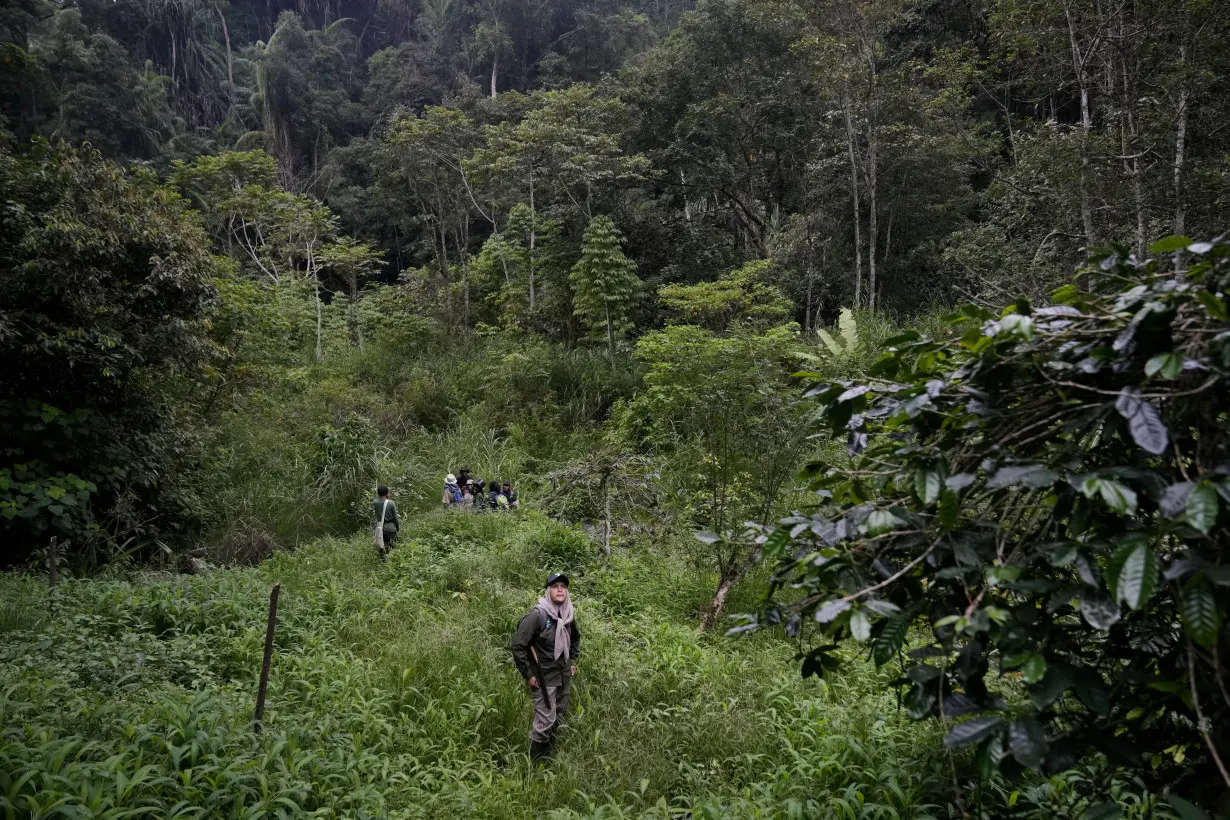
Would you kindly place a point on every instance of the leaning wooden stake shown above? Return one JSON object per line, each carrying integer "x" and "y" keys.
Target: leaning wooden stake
{"x": 260, "y": 692}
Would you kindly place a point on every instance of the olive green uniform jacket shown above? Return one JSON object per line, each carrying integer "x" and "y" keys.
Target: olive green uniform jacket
{"x": 533, "y": 649}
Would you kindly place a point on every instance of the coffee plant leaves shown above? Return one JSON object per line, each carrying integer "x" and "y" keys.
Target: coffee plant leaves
{"x": 1077, "y": 536}
{"x": 928, "y": 484}
{"x": 1145, "y": 424}
{"x": 1119, "y": 497}
{"x": 1034, "y": 669}
{"x": 1138, "y": 568}
{"x": 1170, "y": 244}
{"x": 1168, "y": 365}
{"x": 1099, "y": 609}
{"x": 1185, "y": 809}
{"x": 1054, "y": 683}
{"x": 1174, "y": 500}
{"x": 891, "y": 638}
{"x": 831, "y": 610}
{"x": 1201, "y": 619}
{"x": 860, "y": 626}
{"x": 973, "y": 731}
{"x": 1027, "y": 739}
{"x": 1216, "y": 307}
{"x": 1201, "y": 508}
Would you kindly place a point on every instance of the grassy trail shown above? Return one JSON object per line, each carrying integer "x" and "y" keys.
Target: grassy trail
{"x": 393, "y": 694}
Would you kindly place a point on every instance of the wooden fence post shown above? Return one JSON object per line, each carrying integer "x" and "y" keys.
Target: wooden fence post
{"x": 264, "y": 684}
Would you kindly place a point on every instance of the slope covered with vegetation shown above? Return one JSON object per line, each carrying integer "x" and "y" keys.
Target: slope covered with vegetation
{"x": 393, "y": 693}
{"x": 648, "y": 262}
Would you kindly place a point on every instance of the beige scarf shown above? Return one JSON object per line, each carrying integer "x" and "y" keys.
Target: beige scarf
{"x": 562, "y": 615}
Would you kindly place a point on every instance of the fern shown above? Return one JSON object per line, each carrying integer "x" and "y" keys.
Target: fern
{"x": 848, "y": 329}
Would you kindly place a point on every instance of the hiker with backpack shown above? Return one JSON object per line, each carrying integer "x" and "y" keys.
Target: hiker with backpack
{"x": 545, "y": 649}
{"x": 387, "y": 524}
{"x": 493, "y": 496}
{"x": 452, "y": 493}
{"x": 506, "y": 490}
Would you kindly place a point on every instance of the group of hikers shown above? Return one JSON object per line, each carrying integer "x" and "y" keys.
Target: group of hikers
{"x": 547, "y": 643}
{"x": 462, "y": 492}
{"x": 466, "y": 492}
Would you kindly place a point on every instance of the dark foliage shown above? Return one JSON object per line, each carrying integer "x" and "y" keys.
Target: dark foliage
{"x": 1046, "y": 497}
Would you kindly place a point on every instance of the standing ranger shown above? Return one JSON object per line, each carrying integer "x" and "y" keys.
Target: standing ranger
{"x": 545, "y": 648}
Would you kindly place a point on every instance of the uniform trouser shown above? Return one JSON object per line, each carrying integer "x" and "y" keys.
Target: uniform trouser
{"x": 550, "y": 705}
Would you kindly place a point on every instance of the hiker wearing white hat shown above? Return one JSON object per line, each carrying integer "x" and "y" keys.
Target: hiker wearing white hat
{"x": 452, "y": 493}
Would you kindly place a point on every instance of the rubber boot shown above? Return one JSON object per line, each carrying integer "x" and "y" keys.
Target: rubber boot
{"x": 540, "y": 751}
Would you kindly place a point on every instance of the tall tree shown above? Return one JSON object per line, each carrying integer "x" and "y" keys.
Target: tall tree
{"x": 604, "y": 281}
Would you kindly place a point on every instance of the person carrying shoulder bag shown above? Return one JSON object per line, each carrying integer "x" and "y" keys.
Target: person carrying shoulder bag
{"x": 387, "y": 524}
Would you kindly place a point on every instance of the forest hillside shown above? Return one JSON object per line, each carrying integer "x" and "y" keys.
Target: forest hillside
{"x": 865, "y": 362}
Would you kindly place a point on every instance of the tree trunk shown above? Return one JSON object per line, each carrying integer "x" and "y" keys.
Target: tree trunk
{"x": 726, "y": 584}
{"x": 858, "y": 242}
{"x": 311, "y": 266}
{"x": 1180, "y": 147}
{"x": 230, "y": 72}
{"x": 320, "y": 353}
{"x": 610, "y": 333}
{"x": 872, "y": 192}
{"x": 1078, "y": 66}
{"x": 356, "y": 327}
{"x": 606, "y": 514}
{"x": 495, "y": 62}
{"x": 533, "y": 220}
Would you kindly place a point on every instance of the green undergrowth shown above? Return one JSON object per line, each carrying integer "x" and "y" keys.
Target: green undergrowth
{"x": 392, "y": 694}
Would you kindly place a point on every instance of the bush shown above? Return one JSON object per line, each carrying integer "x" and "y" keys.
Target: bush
{"x": 1044, "y": 494}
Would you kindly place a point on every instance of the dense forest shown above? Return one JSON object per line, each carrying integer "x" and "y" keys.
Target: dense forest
{"x": 884, "y": 341}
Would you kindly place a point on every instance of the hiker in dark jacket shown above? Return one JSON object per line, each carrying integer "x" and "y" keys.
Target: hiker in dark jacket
{"x": 506, "y": 490}
{"x": 545, "y": 649}
{"x": 386, "y": 511}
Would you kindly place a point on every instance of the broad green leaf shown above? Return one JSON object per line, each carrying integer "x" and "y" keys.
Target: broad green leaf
{"x": 1198, "y": 610}
{"x": 1099, "y": 610}
{"x": 1027, "y": 739}
{"x": 1174, "y": 500}
{"x": 1216, "y": 307}
{"x": 1055, "y": 682}
{"x": 890, "y": 639}
{"x": 860, "y": 626}
{"x": 1144, "y": 422}
{"x": 1034, "y": 669}
{"x": 1187, "y": 810}
{"x": 1104, "y": 811}
{"x": 1201, "y": 508}
{"x": 972, "y": 731}
{"x": 1170, "y": 244}
{"x": 880, "y": 522}
{"x": 1138, "y": 573}
{"x": 928, "y": 483}
{"x": 1119, "y": 497}
{"x": 775, "y": 545}
{"x": 830, "y": 610}
{"x": 1169, "y": 365}
{"x": 949, "y": 510}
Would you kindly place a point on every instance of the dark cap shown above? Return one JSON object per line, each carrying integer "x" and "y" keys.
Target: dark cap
{"x": 554, "y": 577}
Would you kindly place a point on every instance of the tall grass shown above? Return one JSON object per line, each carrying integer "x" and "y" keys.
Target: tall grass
{"x": 392, "y": 694}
